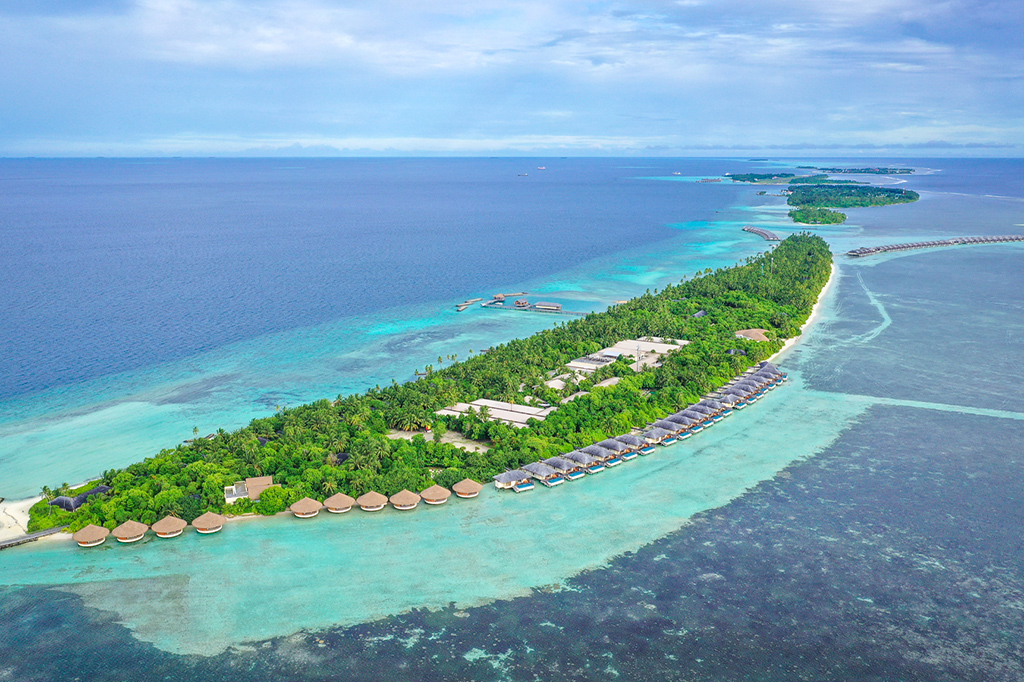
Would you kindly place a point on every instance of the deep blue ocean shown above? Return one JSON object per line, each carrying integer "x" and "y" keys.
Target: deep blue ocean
{"x": 860, "y": 523}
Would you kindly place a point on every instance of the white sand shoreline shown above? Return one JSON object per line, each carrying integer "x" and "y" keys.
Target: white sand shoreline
{"x": 815, "y": 314}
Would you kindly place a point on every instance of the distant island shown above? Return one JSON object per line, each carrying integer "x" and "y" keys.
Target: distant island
{"x": 868, "y": 171}
{"x": 812, "y": 202}
{"x": 787, "y": 178}
{"x": 351, "y": 445}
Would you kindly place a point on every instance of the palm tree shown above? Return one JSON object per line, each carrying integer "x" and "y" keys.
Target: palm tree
{"x": 328, "y": 487}
{"x": 48, "y": 494}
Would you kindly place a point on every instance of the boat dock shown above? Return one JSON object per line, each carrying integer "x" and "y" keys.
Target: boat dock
{"x": 549, "y": 308}
{"x": 31, "y": 537}
{"x": 955, "y": 241}
{"x": 765, "y": 234}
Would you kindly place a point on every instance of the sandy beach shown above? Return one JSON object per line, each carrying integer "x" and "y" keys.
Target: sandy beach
{"x": 815, "y": 314}
{"x": 14, "y": 517}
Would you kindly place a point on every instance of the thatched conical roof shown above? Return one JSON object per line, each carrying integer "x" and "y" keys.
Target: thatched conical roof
{"x": 436, "y": 492}
{"x": 339, "y": 501}
{"x": 405, "y": 498}
{"x": 467, "y": 486}
{"x": 130, "y": 529}
{"x": 307, "y": 505}
{"x": 209, "y": 521}
{"x": 169, "y": 524}
{"x": 371, "y": 499}
{"x": 91, "y": 533}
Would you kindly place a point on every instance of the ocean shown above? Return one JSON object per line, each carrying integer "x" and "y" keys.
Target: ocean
{"x": 859, "y": 523}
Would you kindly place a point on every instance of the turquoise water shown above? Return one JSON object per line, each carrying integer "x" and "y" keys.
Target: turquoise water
{"x": 891, "y": 520}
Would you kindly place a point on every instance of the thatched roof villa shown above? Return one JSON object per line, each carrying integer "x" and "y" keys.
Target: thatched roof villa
{"x": 371, "y": 501}
{"x": 467, "y": 488}
{"x": 339, "y": 503}
{"x": 169, "y": 527}
{"x": 405, "y": 500}
{"x": 306, "y": 508}
{"x": 208, "y": 523}
{"x": 130, "y": 531}
{"x": 91, "y": 535}
{"x": 436, "y": 494}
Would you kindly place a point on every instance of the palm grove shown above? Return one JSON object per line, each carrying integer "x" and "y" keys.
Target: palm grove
{"x": 329, "y": 446}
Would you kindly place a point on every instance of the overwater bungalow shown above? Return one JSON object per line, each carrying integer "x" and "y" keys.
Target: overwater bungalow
{"x": 306, "y": 508}
{"x": 436, "y": 494}
{"x": 130, "y": 531}
{"x": 339, "y": 503}
{"x": 371, "y": 501}
{"x": 405, "y": 500}
{"x": 675, "y": 428}
{"x": 590, "y": 464}
{"x": 467, "y": 488}
{"x": 208, "y": 523}
{"x": 687, "y": 422}
{"x": 625, "y": 452}
{"x": 169, "y": 527}
{"x": 570, "y": 470}
{"x": 609, "y": 457}
{"x": 638, "y": 443}
{"x": 510, "y": 479}
{"x": 660, "y": 436}
{"x": 544, "y": 473}
{"x": 91, "y": 535}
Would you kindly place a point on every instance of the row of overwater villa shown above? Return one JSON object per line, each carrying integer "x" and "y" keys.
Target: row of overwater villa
{"x": 744, "y": 390}
{"x": 210, "y": 522}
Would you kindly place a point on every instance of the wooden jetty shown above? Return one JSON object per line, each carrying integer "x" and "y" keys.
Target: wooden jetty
{"x": 955, "y": 241}
{"x": 765, "y": 234}
{"x": 547, "y": 308}
{"x": 31, "y": 537}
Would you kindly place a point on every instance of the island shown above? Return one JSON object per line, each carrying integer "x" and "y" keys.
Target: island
{"x": 691, "y": 338}
{"x": 813, "y": 201}
{"x": 868, "y": 171}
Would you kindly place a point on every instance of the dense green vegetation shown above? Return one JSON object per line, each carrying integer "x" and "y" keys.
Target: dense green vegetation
{"x": 868, "y": 171}
{"x": 820, "y": 180}
{"x": 817, "y": 216}
{"x": 847, "y": 196}
{"x": 329, "y": 446}
{"x": 760, "y": 177}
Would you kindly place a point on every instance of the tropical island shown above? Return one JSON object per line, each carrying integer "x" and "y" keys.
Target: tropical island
{"x": 349, "y": 445}
{"x": 867, "y": 171}
{"x": 813, "y": 202}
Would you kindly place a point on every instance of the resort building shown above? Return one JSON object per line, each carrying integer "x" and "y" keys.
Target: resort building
{"x": 249, "y": 488}
{"x": 547, "y": 475}
{"x": 547, "y": 306}
{"x": 306, "y": 508}
{"x": 130, "y": 531}
{"x": 208, "y": 523}
{"x": 91, "y": 535}
{"x": 436, "y": 494}
{"x": 510, "y": 480}
{"x": 467, "y": 488}
{"x": 405, "y": 500}
{"x": 753, "y": 334}
{"x": 339, "y": 503}
{"x": 169, "y": 527}
{"x": 508, "y": 413}
{"x": 590, "y": 464}
{"x": 70, "y": 504}
{"x": 568, "y": 469}
{"x": 646, "y": 352}
{"x": 371, "y": 501}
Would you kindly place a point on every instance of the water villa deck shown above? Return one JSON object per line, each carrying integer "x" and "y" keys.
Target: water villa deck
{"x": 767, "y": 235}
{"x": 955, "y": 241}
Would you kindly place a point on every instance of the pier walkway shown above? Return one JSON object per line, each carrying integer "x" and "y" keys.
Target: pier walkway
{"x": 955, "y": 241}
{"x": 495, "y": 305}
{"x": 14, "y": 542}
{"x": 767, "y": 235}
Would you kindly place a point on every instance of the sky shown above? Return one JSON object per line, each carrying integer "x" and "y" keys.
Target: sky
{"x": 518, "y": 77}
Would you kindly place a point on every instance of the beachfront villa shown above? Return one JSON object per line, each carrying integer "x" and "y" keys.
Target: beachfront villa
{"x": 169, "y": 527}
{"x": 435, "y": 494}
{"x": 130, "y": 531}
{"x": 547, "y": 475}
{"x": 467, "y": 488}
{"x": 91, "y": 535}
{"x": 371, "y": 501}
{"x": 405, "y": 500}
{"x": 249, "y": 488}
{"x": 339, "y": 503}
{"x": 590, "y": 464}
{"x": 306, "y": 508}
{"x": 517, "y": 480}
{"x": 208, "y": 523}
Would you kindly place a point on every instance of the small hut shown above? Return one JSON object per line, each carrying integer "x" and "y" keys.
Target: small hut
{"x": 91, "y": 535}
{"x": 435, "y": 494}
{"x": 169, "y": 527}
{"x": 339, "y": 503}
{"x": 208, "y": 523}
{"x": 130, "y": 531}
{"x": 467, "y": 488}
{"x": 306, "y": 508}
{"x": 405, "y": 499}
{"x": 371, "y": 501}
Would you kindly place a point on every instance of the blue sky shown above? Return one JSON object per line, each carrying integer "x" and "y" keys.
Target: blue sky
{"x": 116, "y": 77}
